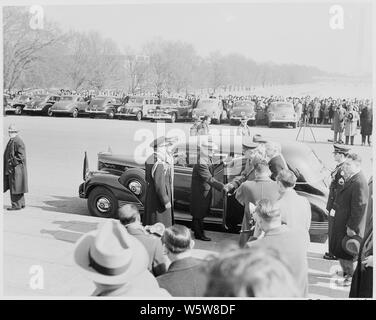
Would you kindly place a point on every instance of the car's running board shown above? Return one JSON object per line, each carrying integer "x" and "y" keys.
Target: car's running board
{"x": 184, "y": 216}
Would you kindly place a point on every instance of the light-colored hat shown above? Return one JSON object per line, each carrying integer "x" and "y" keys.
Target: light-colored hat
{"x": 12, "y": 128}
{"x": 110, "y": 255}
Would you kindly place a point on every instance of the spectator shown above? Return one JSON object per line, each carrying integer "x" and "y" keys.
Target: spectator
{"x": 130, "y": 218}
{"x": 116, "y": 262}
{"x": 291, "y": 244}
{"x": 193, "y": 131}
{"x": 276, "y": 161}
{"x": 256, "y": 272}
{"x": 351, "y": 120}
{"x": 243, "y": 129}
{"x": 251, "y": 192}
{"x": 184, "y": 277}
{"x": 203, "y": 127}
{"x": 366, "y": 124}
{"x": 295, "y": 210}
{"x": 351, "y": 203}
{"x": 338, "y": 123}
{"x": 362, "y": 282}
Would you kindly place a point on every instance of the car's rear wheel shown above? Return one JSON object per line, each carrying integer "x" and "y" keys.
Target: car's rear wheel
{"x": 110, "y": 115}
{"x": 102, "y": 203}
{"x": 75, "y": 113}
{"x": 49, "y": 112}
{"x": 18, "y": 110}
{"x": 139, "y": 116}
{"x": 134, "y": 180}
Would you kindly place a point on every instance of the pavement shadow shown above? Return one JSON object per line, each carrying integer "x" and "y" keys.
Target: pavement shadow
{"x": 72, "y": 205}
{"x": 72, "y": 230}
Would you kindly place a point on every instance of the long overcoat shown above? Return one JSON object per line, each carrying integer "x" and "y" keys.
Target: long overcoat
{"x": 159, "y": 180}
{"x": 15, "y": 166}
{"x": 350, "y": 203}
{"x": 351, "y": 124}
{"x": 366, "y": 121}
{"x": 339, "y": 120}
{"x": 201, "y": 188}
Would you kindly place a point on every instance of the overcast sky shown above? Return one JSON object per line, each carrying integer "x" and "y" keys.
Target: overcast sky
{"x": 282, "y": 33}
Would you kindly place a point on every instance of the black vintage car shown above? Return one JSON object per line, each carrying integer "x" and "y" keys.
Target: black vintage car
{"x": 171, "y": 109}
{"x": 103, "y": 106}
{"x": 120, "y": 179}
{"x": 41, "y": 104}
{"x": 17, "y": 105}
{"x": 242, "y": 109}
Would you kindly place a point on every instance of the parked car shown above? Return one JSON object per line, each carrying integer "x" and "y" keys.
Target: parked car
{"x": 212, "y": 107}
{"x": 73, "y": 105}
{"x": 138, "y": 108}
{"x": 281, "y": 112}
{"x": 120, "y": 179}
{"x": 242, "y": 109}
{"x": 171, "y": 109}
{"x": 103, "y": 106}
{"x": 41, "y": 104}
{"x": 17, "y": 105}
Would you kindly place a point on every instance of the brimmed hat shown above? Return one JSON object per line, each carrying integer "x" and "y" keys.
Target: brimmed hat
{"x": 163, "y": 141}
{"x": 351, "y": 245}
{"x": 247, "y": 143}
{"x": 341, "y": 149}
{"x": 12, "y": 128}
{"x": 258, "y": 138}
{"x": 110, "y": 255}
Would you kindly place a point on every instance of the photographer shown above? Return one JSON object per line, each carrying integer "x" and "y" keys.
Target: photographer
{"x": 351, "y": 121}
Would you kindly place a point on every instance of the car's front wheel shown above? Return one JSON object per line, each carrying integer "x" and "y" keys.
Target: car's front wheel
{"x": 134, "y": 180}
{"x": 139, "y": 116}
{"x": 18, "y": 110}
{"x": 173, "y": 118}
{"x": 49, "y": 112}
{"x": 102, "y": 203}
{"x": 75, "y": 113}
{"x": 110, "y": 115}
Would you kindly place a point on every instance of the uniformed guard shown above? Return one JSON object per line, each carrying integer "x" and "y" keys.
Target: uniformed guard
{"x": 249, "y": 148}
{"x": 159, "y": 173}
{"x": 243, "y": 129}
{"x": 337, "y": 183}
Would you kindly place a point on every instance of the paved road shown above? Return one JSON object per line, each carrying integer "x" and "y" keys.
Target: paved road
{"x": 45, "y": 232}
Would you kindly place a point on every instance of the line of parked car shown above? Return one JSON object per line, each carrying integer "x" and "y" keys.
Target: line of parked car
{"x": 151, "y": 108}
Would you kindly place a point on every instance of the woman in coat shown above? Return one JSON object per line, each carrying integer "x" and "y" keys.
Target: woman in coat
{"x": 351, "y": 124}
{"x": 366, "y": 124}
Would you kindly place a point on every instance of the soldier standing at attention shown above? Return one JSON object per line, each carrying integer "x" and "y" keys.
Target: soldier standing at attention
{"x": 243, "y": 129}
{"x": 337, "y": 183}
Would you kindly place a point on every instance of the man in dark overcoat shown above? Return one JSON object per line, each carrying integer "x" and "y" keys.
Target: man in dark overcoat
{"x": 159, "y": 173}
{"x": 366, "y": 124}
{"x": 336, "y": 184}
{"x": 201, "y": 189}
{"x": 15, "y": 170}
{"x": 338, "y": 123}
{"x": 351, "y": 202}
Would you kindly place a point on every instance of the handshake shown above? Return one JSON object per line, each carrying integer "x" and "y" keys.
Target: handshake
{"x": 228, "y": 187}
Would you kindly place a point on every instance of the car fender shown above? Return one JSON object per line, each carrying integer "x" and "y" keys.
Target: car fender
{"x": 316, "y": 202}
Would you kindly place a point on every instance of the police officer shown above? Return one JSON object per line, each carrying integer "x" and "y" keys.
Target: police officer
{"x": 337, "y": 183}
{"x": 243, "y": 129}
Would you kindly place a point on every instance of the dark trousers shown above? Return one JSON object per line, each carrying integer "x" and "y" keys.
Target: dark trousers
{"x": 364, "y": 139}
{"x": 198, "y": 227}
{"x": 330, "y": 231}
{"x": 351, "y": 138}
{"x": 17, "y": 199}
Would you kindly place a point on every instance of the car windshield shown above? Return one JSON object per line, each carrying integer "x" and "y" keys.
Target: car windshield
{"x": 281, "y": 107}
{"x": 98, "y": 100}
{"x": 40, "y": 97}
{"x": 136, "y": 100}
{"x": 168, "y": 101}
{"x": 22, "y": 98}
{"x": 204, "y": 104}
{"x": 244, "y": 106}
{"x": 66, "y": 98}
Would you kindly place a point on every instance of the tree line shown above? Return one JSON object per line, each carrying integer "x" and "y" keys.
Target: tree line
{"x": 51, "y": 58}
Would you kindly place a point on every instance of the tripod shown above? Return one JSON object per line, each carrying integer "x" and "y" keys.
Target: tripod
{"x": 304, "y": 124}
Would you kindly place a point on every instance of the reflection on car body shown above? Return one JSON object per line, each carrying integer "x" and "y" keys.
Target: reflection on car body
{"x": 120, "y": 179}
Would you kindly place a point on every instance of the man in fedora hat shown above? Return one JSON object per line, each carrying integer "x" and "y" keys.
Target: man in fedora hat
{"x": 159, "y": 175}
{"x": 351, "y": 203}
{"x": 201, "y": 188}
{"x": 15, "y": 170}
{"x": 116, "y": 262}
{"x": 243, "y": 129}
{"x": 339, "y": 153}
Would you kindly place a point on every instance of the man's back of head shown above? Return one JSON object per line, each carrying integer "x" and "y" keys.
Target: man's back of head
{"x": 128, "y": 214}
{"x": 177, "y": 240}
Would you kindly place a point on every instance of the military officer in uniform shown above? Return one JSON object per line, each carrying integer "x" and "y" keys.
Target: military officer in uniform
{"x": 337, "y": 183}
{"x": 159, "y": 173}
{"x": 243, "y": 129}
{"x": 201, "y": 189}
{"x": 249, "y": 148}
